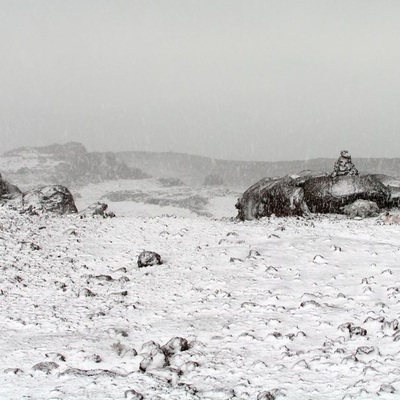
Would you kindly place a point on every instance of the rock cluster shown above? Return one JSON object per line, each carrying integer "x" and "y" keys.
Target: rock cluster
{"x": 344, "y": 166}
{"x": 320, "y": 193}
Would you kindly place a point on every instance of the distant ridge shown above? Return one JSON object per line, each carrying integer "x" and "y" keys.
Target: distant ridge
{"x": 72, "y": 164}
{"x": 242, "y": 173}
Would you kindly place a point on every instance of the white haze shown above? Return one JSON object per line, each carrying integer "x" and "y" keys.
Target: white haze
{"x": 259, "y": 80}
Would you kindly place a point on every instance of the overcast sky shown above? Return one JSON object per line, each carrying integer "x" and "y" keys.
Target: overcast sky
{"x": 238, "y": 79}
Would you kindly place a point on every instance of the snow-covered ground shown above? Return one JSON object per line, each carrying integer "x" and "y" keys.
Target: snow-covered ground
{"x": 299, "y": 308}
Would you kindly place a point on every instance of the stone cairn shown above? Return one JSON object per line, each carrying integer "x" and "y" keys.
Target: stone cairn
{"x": 344, "y": 166}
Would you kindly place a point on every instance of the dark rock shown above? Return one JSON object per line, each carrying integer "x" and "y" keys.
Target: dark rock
{"x": 147, "y": 258}
{"x": 56, "y": 199}
{"x": 267, "y": 395}
{"x": 393, "y": 184}
{"x": 175, "y": 345}
{"x": 131, "y": 394}
{"x": 281, "y": 196}
{"x": 344, "y": 166}
{"x": 361, "y": 208}
{"x": 330, "y": 194}
{"x": 7, "y": 190}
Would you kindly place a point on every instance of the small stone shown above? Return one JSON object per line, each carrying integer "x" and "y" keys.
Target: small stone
{"x": 176, "y": 345}
{"x": 147, "y": 258}
{"x": 45, "y": 367}
{"x": 132, "y": 394}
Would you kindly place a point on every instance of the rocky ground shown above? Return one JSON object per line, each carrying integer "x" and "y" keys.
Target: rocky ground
{"x": 290, "y": 308}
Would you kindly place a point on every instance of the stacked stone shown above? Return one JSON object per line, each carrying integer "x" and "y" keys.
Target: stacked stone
{"x": 344, "y": 165}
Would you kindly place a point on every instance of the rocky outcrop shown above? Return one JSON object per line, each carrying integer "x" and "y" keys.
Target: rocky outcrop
{"x": 330, "y": 194}
{"x": 68, "y": 164}
{"x": 290, "y": 196}
{"x": 281, "y": 197}
{"x": 55, "y": 199}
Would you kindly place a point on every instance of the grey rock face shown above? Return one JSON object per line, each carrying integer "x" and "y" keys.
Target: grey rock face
{"x": 55, "y": 198}
{"x": 330, "y": 194}
{"x": 282, "y": 197}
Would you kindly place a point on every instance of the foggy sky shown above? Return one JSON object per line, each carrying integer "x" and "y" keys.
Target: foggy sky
{"x": 237, "y": 79}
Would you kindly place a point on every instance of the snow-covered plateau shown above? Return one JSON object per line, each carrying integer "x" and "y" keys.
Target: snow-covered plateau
{"x": 294, "y": 308}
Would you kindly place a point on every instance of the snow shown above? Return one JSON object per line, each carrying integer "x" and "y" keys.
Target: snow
{"x": 275, "y": 305}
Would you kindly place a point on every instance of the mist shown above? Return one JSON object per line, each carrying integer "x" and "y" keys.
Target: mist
{"x": 256, "y": 80}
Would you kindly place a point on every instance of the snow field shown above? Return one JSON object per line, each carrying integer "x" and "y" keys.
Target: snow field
{"x": 308, "y": 307}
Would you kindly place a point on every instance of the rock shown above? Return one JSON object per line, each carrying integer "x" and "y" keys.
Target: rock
{"x": 281, "y": 196}
{"x": 361, "y": 208}
{"x": 132, "y": 394}
{"x": 7, "y": 190}
{"x": 96, "y": 209}
{"x": 45, "y": 367}
{"x": 147, "y": 258}
{"x": 175, "y": 345}
{"x": 268, "y": 395}
{"x": 157, "y": 359}
{"x": 344, "y": 166}
{"x": 366, "y": 353}
{"x": 55, "y": 198}
{"x": 393, "y": 184}
{"x": 330, "y": 194}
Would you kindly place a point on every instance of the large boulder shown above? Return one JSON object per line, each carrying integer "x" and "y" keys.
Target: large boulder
{"x": 280, "y": 196}
{"x": 329, "y": 194}
{"x": 55, "y": 198}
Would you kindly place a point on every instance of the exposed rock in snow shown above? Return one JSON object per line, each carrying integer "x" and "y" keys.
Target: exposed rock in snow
{"x": 344, "y": 166}
{"x": 282, "y": 197}
{"x": 393, "y": 184}
{"x": 56, "y": 199}
{"x": 46, "y": 366}
{"x": 175, "y": 345}
{"x": 7, "y": 190}
{"x": 362, "y": 209}
{"x": 132, "y": 394}
{"x": 157, "y": 359}
{"x": 328, "y": 195}
{"x": 147, "y": 258}
{"x": 96, "y": 209}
